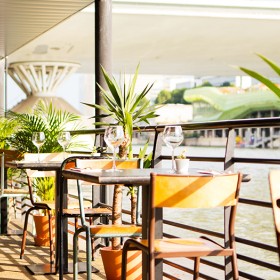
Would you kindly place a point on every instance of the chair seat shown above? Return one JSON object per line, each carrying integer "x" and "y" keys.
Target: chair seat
{"x": 15, "y": 192}
{"x": 115, "y": 230}
{"x": 172, "y": 247}
{"x": 88, "y": 211}
{"x": 73, "y": 208}
{"x": 45, "y": 205}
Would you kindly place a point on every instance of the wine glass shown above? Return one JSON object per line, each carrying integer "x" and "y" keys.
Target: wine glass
{"x": 173, "y": 137}
{"x": 38, "y": 139}
{"x": 64, "y": 139}
{"x": 113, "y": 137}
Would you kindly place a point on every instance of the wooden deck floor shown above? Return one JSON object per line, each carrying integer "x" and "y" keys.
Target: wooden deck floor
{"x": 12, "y": 267}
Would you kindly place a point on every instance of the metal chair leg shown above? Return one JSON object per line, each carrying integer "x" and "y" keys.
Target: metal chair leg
{"x": 75, "y": 255}
{"x": 23, "y": 241}
{"x": 51, "y": 238}
{"x": 88, "y": 254}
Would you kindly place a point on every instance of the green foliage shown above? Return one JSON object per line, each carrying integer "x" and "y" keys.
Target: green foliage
{"x": 147, "y": 159}
{"x": 163, "y": 97}
{"x": 7, "y": 128}
{"x": 175, "y": 96}
{"x": 272, "y": 86}
{"x": 122, "y": 104}
{"x": 45, "y": 188}
{"x": 206, "y": 84}
{"x": 44, "y": 118}
{"x": 226, "y": 84}
{"x": 183, "y": 154}
{"x": 19, "y": 128}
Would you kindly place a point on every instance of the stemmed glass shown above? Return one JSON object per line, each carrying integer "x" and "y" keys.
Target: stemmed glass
{"x": 113, "y": 137}
{"x": 64, "y": 139}
{"x": 38, "y": 139}
{"x": 173, "y": 137}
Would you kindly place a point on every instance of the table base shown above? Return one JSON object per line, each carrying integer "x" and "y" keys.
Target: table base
{"x": 45, "y": 269}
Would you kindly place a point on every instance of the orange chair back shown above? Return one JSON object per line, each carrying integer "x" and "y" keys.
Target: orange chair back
{"x": 195, "y": 191}
{"x": 10, "y": 155}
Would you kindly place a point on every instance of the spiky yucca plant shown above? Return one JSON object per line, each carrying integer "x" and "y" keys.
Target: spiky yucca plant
{"x": 272, "y": 86}
{"x": 125, "y": 107}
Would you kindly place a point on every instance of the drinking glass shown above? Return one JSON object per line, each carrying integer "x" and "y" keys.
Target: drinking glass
{"x": 64, "y": 139}
{"x": 173, "y": 137}
{"x": 113, "y": 137}
{"x": 38, "y": 139}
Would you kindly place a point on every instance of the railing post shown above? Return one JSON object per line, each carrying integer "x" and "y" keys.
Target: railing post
{"x": 157, "y": 148}
{"x": 158, "y": 212}
{"x": 229, "y": 151}
{"x": 228, "y": 165}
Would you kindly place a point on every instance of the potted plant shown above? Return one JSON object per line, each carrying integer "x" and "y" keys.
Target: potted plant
{"x": 182, "y": 162}
{"x": 44, "y": 118}
{"x": 123, "y": 106}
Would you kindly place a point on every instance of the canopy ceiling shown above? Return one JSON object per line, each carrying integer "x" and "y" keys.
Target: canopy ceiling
{"x": 21, "y": 21}
{"x": 174, "y": 38}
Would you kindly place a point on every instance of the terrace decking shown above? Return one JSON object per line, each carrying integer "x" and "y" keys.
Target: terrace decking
{"x": 12, "y": 267}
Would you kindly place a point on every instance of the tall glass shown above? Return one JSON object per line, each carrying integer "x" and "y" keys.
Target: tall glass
{"x": 173, "y": 137}
{"x": 64, "y": 139}
{"x": 113, "y": 137}
{"x": 38, "y": 139}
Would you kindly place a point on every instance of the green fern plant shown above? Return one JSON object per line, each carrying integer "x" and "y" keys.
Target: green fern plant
{"x": 51, "y": 121}
{"x": 46, "y": 118}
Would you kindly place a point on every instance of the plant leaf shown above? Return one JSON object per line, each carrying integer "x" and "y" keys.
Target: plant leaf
{"x": 271, "y": 64}
{"x": 262, "y": 79}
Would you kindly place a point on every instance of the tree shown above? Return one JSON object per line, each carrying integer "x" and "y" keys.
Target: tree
{"x": 177, "y": 96}
{"x": 163, "y": 97}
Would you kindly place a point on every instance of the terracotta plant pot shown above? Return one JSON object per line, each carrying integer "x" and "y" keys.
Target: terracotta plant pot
{"x": 112, "y": 261}
{"x": 42, "y": 230}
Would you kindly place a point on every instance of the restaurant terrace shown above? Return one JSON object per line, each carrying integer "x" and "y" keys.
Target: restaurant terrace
{"x": 167, "y": 38}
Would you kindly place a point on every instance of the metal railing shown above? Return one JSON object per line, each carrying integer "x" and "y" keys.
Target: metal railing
{"x": 229, "y": 161}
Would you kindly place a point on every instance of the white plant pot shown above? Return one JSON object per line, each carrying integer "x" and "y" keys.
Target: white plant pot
{"x": 182, "y": 165}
